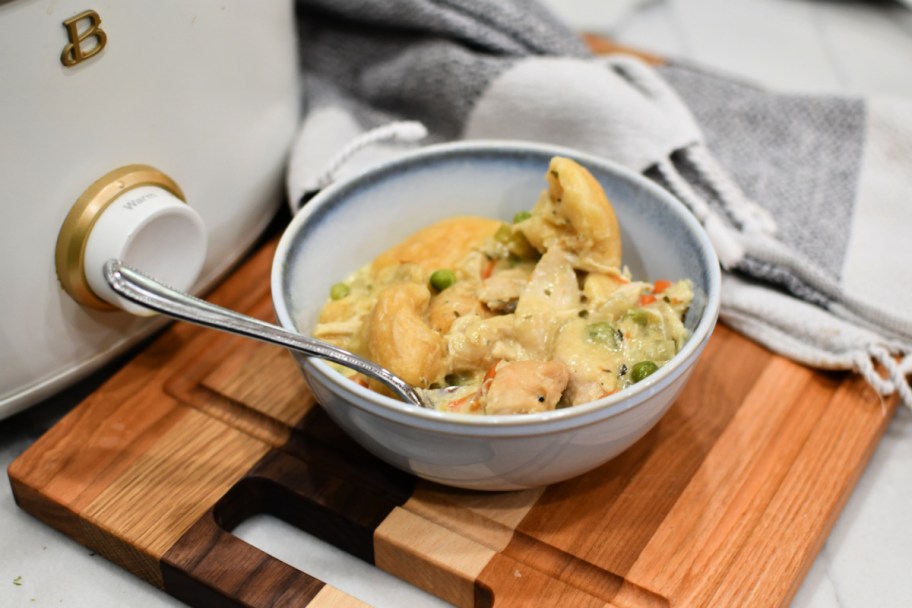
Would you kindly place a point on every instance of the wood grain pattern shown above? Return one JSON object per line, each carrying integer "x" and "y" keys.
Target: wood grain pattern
{"x": 210, "y": 567}
{"x": 725, "y": 502}
{"x": 151, "y": 504}
{"x": 431, "y": 556}
{"x": 759, "y": 445}
{"x": 134, "y": 471}
{"x": 253, "y": 388}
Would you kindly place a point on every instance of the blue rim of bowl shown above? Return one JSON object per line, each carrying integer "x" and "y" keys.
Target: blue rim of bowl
{"x": 576, "y": 415}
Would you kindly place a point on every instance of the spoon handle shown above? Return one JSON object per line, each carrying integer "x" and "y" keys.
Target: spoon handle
{"x": 149, "y": 293}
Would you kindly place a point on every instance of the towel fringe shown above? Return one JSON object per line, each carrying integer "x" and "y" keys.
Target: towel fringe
{"x": 723, "y": 237}
{"x": 404, "y": 131}
{"x": 748, "y": 215}
{"x": 895, "y": 379}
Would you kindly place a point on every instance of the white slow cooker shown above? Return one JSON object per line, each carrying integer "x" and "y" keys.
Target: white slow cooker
{"x": 177, "y": 112}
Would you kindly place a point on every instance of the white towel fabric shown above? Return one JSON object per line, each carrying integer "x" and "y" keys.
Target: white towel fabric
{"x": 807, "y": 200}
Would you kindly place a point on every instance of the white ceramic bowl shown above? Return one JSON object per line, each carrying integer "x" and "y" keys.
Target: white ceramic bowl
{"x": 351, "y": 222}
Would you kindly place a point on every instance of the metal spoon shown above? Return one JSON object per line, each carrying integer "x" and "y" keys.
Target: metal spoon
{"x": 149, "y": 293}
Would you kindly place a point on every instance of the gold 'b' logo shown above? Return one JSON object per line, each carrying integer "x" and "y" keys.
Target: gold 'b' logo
{"x": 74, "y": 52}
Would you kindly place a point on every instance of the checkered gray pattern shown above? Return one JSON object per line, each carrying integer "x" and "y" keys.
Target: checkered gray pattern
{"x": 806, "y": 199}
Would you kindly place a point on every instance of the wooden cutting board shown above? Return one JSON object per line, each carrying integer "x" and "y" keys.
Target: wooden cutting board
{"x": 726, "y": 502}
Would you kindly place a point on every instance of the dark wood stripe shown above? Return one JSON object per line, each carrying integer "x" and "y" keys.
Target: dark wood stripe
{"x": 211, "y": 567}
{"x": 319, "y": 440}
{"x": 304, "y": 485}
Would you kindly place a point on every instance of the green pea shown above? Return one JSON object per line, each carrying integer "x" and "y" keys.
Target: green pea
{"x": 522, "y": 216}
{"x": 520, "y": 246}
{"x": 603, "y": 332}
{"x": 642, "y": 370}
{"x": 443, "y": 278}
{"x": 639, "y": 316}
{"x": 503, "y": 234}
{"x": 516, "y": 243}
{"x": 339, "y": 291}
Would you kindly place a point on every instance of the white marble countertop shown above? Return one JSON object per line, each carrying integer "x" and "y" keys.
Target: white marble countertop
{"x": 808, "y": 46}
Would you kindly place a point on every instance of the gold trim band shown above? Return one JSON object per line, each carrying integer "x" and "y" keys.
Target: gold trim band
{"x": 74, "y": 233}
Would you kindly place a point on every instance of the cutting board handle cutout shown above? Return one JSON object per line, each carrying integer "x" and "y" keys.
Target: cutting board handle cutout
{"x": 209, "y": 565}
{"x": 255, "y": 496}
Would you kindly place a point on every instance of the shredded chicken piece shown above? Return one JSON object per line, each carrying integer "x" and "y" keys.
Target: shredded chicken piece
{"x": 551, "y": 296}
{"x": 523, "y": 387}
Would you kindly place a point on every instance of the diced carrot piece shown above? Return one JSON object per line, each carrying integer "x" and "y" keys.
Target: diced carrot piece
{"x": 474, "y": 402}
{"x": 647, "y": 298}
{"x": 487, "y": 380}
{"x": 457, "y": 402}
{"x": 660, "y": 286}
{"x": 488, "y": 268}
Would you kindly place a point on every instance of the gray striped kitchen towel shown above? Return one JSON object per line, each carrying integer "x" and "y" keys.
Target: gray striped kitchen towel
{"x": 807, "y": 199}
